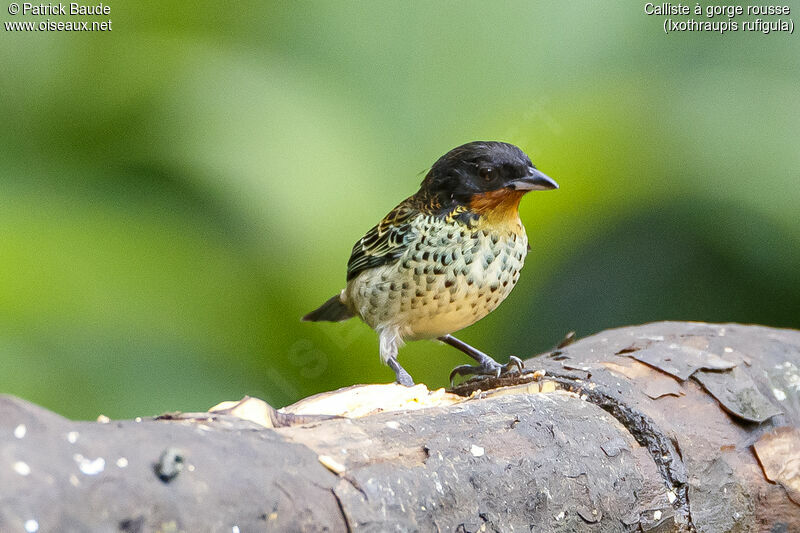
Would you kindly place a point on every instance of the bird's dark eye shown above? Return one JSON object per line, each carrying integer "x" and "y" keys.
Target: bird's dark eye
{"x": 486, "y": 173}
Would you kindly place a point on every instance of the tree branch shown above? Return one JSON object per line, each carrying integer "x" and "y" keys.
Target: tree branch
{"x": 660, "y": 427}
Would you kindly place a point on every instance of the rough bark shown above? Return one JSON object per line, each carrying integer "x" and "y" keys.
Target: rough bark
{"x": 661, "y": 427}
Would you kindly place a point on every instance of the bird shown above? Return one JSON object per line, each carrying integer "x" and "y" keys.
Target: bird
{"x": 444, "y": 258}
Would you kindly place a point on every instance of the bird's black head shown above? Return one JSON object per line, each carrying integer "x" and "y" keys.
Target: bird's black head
{"x": 481, "y": 167}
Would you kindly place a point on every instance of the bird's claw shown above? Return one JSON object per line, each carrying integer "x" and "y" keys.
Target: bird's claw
{"x": 489, "y": 368}
{"x": 515, "y": 361}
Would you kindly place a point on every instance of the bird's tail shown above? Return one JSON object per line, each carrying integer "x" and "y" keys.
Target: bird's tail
{"x": 331, "y": 311}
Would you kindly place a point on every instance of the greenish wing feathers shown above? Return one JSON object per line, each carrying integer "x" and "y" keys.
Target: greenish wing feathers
{"x": 384, "y": 243}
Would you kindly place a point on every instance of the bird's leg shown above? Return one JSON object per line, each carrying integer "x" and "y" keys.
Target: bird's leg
{"x": 402, "y": 377}
{"x": 390, "y": 342}
{"x": 486, "y": 365}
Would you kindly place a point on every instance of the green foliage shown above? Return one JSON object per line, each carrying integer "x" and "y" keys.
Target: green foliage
{"x": 179, "y": 191}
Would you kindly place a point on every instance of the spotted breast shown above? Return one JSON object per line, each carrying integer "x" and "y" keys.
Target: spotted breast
{"x": 454, "y": 271}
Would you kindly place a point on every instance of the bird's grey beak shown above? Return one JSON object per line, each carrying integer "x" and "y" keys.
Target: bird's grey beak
{"x": 534, "y": 181}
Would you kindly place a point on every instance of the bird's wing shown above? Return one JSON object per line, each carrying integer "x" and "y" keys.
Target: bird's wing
{"x": 384, "y": 243}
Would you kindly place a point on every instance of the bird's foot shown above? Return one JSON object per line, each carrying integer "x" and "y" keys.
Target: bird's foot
{"x": 401, "y": 376}
{"x": 489, "y": 367}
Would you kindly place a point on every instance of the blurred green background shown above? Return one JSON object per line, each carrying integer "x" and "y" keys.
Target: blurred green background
{"x": 177, "y": 192}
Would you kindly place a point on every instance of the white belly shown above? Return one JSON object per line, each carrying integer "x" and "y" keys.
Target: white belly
{"x": 448, "y": 283}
